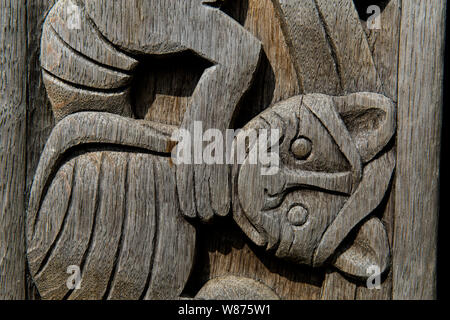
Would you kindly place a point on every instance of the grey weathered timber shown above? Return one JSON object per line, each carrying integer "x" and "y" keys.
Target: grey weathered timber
{"x": 96, "y": 90}
{"x": 307, "y": 226}
{"x": 232, "y": 50}
{"x": 236, "y": 288}
{"x": 13, "y": 72}
{"x": 384, "y": 45}
{"x": 128, "y": 239}
{"x": 329, "y": 32}
{"x": 342, "y": 61}
{"x": 67, "y": 66}
{"x": 418, "y": 149}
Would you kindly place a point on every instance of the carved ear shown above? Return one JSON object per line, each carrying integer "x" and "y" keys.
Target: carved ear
{"x": 368, "y": 254}
{"x": 370, "y": 119}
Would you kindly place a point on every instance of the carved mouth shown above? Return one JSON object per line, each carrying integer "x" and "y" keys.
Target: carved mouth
{"x": 272, "y": 201}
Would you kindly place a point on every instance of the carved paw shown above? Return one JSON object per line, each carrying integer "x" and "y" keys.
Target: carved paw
{"x": 203, "y": 190}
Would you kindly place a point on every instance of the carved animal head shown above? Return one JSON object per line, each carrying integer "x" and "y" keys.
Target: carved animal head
{"x": 331, "y": 177}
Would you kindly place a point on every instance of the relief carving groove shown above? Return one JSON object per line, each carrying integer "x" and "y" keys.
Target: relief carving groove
{"x": 108, "y": 198}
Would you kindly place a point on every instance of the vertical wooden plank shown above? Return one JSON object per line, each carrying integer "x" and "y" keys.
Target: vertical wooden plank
{"x": 12, "y": 148}
{"x": 419, "y": 127}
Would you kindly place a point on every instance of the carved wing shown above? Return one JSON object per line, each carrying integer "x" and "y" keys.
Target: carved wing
{"x": 104, "y": 200}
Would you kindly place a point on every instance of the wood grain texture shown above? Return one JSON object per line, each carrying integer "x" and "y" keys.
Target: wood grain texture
{"x": 237, "y": 255}
{"x": 329, "y": 32}
{"x": 419, "y": 123}
{"x": 224, "y": 250}
{"x": 118, "y": 220}
{"x": 337, "y": 287}
{"x": 308, "y": 43}
{"x": 40, "y": 119}
{"x": 304, "y": 211}
{"x": 13, "y": 140}
{"x": 307, "y": 47}
{"x": 158, "y": 28}
{"x": 384, "y": 45}
{"x": 349, "y": 42}
{"x": 236, "y": 288}
{"x": 377, "y": 54}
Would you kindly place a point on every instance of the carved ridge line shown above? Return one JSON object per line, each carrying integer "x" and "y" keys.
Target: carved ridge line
{"x": 280, "y": 118}
{"x": 342, "y": 138}
{"x": 124, "y": 223}
{"x": 121, "y": 75}
{"x": 52, "y": 248}
{"x": 41, "y": 200}
{"x": 105, "y": 39}
{"x": 63, "y": 146}
{"x": 94, "y": 223}
{"x": 87, "y": 89}
{"x": 155, "y": 236}
{"x": 332, "y": 46}
{"x": 285, "y": 30}
{"x": 84, "y": 56}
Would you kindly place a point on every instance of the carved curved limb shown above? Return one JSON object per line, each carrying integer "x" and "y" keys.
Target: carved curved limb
{"x": 92, "y": 128}
{"x": 110, "y": 213}
{"x": 329, "y": 32}
{"x": 89, "y": 57}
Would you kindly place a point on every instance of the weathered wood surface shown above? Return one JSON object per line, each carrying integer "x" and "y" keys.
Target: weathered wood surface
{"x": 418, "y": 149}
{"x": 307, "y": 47}
{"x": 40, "y": 119}
{"x": 13, "y": 141}
{"x": 376, "y": 54}
{"x": 118, "y": 224}
{"x": 384, "y": 47}
{"x": 236, "y": 288}
{"x": 329, "y": 32}
{"x": 167, "y": 28}
{"x": 300, "y": 236}
{"x": 66, "y": 69}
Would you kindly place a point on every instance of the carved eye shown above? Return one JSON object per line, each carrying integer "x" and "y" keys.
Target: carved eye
{"x": 301, "y": 148}
{"x": 298, "y": 215}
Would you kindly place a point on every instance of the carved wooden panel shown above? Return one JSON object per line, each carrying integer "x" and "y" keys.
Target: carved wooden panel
{"x": 309, "y": 199}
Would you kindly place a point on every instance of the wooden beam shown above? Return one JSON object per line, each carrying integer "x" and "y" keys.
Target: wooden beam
{"x": 419, "y": 132}
{"x": 12, "y": 148}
